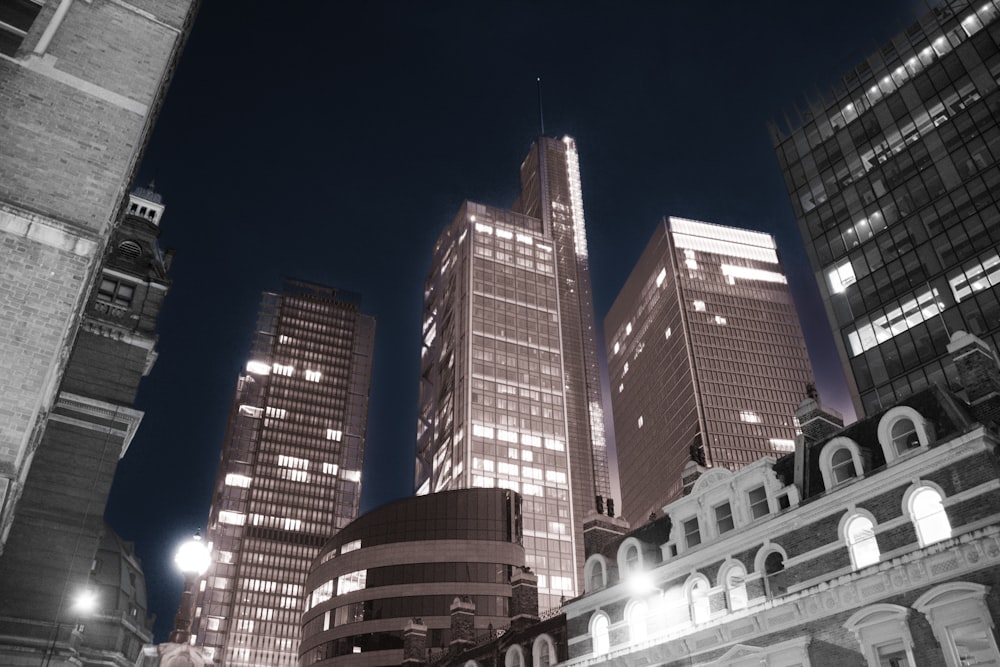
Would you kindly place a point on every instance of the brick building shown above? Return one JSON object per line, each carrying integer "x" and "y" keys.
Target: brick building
{"x": 82, "y": 84}
{"x": 875, "y": 544}
{"x": 49, "y": 558}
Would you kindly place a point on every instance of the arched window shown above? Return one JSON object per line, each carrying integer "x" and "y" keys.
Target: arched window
{"x": 596, "y": 571}
{"x": 842, "y": 466}
{"x": 697, "y": 590}
{"x": 928, "y": 516}
{"x": 903, "y": 436}
{"x": 631, "y": 559}
{"x": 543, "y": 652}
{"x": 962, "y": 624}
{"x": 637, "y": 617}
{"x": 600, "y": 633}
{"x": 859, "y": 532}
{"x": 733, "y": 582}
{"x": 839, "y": 461}
{"x": 514, "y": 657}
{"x": 774, "y": 564}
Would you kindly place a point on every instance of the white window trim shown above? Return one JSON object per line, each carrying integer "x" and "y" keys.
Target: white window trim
{"x": 761, "y": 571}
{"x": 623, "y": 548}
{"x": 851, "y": 514}
{"x": 877, "y": 625}
{"x": 956, "y": 601}
{"x": 689, "y": 586}
{"x": 595, "y": 561}
{"x": 510, "y": 655}
{"x": 908, "y": 509}
{"x": 826, "y": 459}
{"x": 791, "y": 653}
{"x": 727, "y": 567}
{"x": 896, "y": 414}
{"x": 543, "y": 642}
{"x": 593, "y": 638}
{"x": 630, "y": 610}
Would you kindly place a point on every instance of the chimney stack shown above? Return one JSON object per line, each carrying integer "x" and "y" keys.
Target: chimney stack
{"x": 415, "y": 643}
{"x": 463, "y": 627}
{"x": 816, "y": 423}
{"x": 523, "y": 598}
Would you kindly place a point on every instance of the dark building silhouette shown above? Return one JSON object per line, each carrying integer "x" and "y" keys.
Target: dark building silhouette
{"x": 706, "y": 360}
{"x": 290, "y": 471}
{"x": 893, "y": 177}
{"x": 510, "y": 393}
{"x": 49, "y": 559}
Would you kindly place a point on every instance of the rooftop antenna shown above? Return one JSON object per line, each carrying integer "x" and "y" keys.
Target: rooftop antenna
{"x": 541, "y": 116}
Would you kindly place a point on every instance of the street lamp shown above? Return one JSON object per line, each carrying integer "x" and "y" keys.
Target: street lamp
{"x": 192, "y": 559}
{"x": 84, "y": 603}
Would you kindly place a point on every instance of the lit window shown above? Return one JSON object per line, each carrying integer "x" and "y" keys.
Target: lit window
{"x": 636, "y": 615}
{"x": 232, "y": 518}
{"x": 758, "y": 502}
{"x": 276, "y": 413}
{"x": 667, "y": 333}
{"x": 628, "y": 328}
{"x": 841, "y": 276}
{"x": 330, "y": 468}
{"x": 660, "y": 277}
{"x": 506, "y": 436}
{"x": 292, "y": 524}
{"x": 698, "y": 601}
{"x": 640, "y": 421}
{"x": 351, "y": 475}
{"x": 531, "y": 489}
{"x": 482, "y": 431}
{"x": 616, "y": 348}
{"x": 691, "y": 264}
{"x": 505, "y": 468}
{"x": 313, "y": 376}
{"x": 334, "y": 434}
{"x": 348, "y": 547}
{"x": 907, "y": 314}
{"x": 749, "y": 416}
{"x": 861, "y": 543}
{"x": 213, "y": 623}
{"x": 251, "y": 411}
{"x": 352, "y": 581}
{"x": 599, "y": 633}
{"x": 486, "y": 229}
{"x": 621, "y": 387}
{"x": 113, "y": 292}
{"x": 553, "y": 444}
{"x": 282, "y": 369}
{"x": 719, "y": 319}
{"x": 625, "y": 369}
{"x": 745, "y": 273}
{"x": 699, "y": 306}
{"x": 724, "y": 518}
{"x": 782, "y": 444}
{"x": 928, "y": 516}
{"x": 555, "y": 476}
{"x": 736, "y": 589}
{"x": 293, "y": 462}
{"x": 258, "y": 367}
{"x": 242, "y": 481}
{"x": 692, "y": 534}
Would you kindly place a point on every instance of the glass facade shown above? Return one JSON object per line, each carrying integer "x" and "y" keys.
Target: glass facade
{"x": 706, "y": 359}
{"x": 510, "y": 388}
{"x": 894, "y": 183}
{"x": 397, "y": 562}
{"x": 290, "y": 471}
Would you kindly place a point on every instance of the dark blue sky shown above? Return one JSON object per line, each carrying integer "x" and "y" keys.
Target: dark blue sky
{"x": 333, "y": 141}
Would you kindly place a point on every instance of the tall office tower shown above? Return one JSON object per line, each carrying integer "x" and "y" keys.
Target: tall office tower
{"x": 82, "y": 85}
{"x": 49, "y": 561}
{"x": 894, "y": 181}
{"x": 510, "y": 389}
{"x": 706, "y": 359}
{"x": 290, "y": 471}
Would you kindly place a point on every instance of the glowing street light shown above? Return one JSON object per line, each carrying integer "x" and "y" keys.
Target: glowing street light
{"x": 192, "y": 559}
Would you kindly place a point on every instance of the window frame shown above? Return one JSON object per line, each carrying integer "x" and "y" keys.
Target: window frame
{"x": 887, "y": 424}
{"x": 544, "y": 642}
{"x": 920, "y": 526}
{"x": 765, "y": 502}
{"x": 880, "y": 625}
{"x": 957, "y": 602}
{"x": 600, "y": 637}
{"x": 826, "y": 461}
{"x": 730, "y": 517}
{"x": 855, "y": 547}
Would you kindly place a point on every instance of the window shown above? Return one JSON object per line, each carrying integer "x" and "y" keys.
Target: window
{"x": 842, "y": 465}
{"x": 514, "y": 657}
{"x": 734, "y": 583}
{"x": 698, "y": 603}
{"x": 961, "y": 622}
{"x": 859, "y": 532}
{"x": 774, "y": 565}
{"x": 758, "y": 502}
{"x": 901, "y": 430}
{"x": 16, "y": 17}
{"x": 904, "y": 436}
{"x": 883, "y": 634}
{"x": 692, "y": 536}
{"x": 543, "y": 652}
{"x": 631, "y": 560}
{"x": 115, "y": 293}
{"x": 636, "y": 615}
{"x": 595, "y": 569}
{"x": 599, "y": 633}
{"x": 927, "y": 513}
{"x": 724, "y": 518}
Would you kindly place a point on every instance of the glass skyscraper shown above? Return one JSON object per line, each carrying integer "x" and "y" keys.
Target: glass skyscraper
{"x": 706, "y": 359}
{"x": 290, "y": 471}
{"x": 894, "y": 181}
{"x": 510, "y": 387}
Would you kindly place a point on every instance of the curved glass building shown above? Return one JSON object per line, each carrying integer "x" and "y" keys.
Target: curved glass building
{"x": 407, "y": 559}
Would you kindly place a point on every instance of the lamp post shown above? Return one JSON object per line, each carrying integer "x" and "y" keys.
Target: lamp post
{"x": 83, "y": 604}
{"x": 192, "y": 559}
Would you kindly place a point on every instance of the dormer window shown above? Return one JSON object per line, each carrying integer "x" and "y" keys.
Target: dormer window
{"x": 115, "y": 292}
{"x": 839, "y": 462}
{"x": 842, "y": 466}
{"x": 632, "y": 560}
{"x": 901, "y": 431}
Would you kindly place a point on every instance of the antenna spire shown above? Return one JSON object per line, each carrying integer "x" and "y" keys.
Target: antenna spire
{"x": 541, "y": 115}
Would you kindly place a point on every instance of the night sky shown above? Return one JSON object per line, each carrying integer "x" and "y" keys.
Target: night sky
{"x": 333, "y": 141}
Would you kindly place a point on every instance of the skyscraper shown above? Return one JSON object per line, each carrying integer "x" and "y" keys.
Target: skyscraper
{"x": 510, "y": 387}
{"x": 705, "y": 357}
{"x": 894, "y": 179}
{"x": 82, "y": 86}
{"x": 290, "y": 471}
